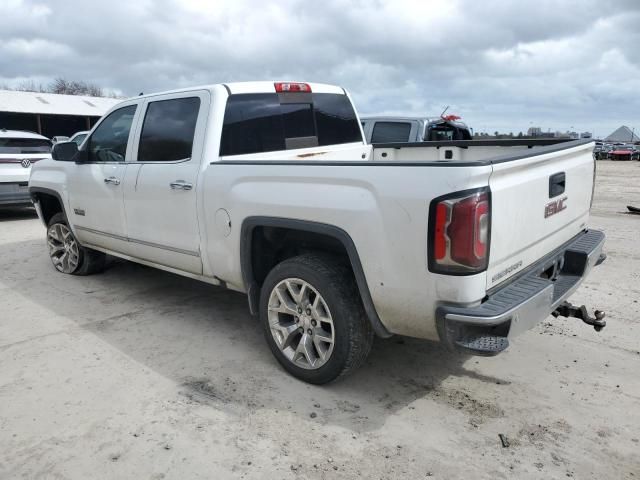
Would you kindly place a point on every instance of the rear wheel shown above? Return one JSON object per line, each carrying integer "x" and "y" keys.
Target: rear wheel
{"x": 66, "y": 253}
{"x": 313, "y": 318}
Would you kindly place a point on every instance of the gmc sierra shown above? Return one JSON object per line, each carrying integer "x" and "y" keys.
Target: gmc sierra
{"x": 270, "y": 189}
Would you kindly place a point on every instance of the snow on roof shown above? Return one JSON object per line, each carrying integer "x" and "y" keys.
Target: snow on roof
{"x": 53, "y": 103}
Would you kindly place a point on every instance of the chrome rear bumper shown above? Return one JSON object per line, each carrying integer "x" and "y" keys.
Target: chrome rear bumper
{"x": 523, "y": 302}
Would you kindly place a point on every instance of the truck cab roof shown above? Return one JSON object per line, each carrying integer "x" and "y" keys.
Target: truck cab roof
{"x": 265, "y": 86}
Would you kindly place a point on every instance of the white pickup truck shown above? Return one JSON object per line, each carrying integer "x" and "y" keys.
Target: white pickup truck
{"x": 270, "y": 189}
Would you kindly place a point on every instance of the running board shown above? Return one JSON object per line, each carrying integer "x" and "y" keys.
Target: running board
{"x": 483, "y": 345}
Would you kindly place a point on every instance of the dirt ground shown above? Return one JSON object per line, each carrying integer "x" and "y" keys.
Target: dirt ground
{"x": 142, "y": 374}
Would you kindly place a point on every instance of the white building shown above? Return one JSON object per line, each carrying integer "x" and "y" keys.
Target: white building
{"x": 51, "y": 114}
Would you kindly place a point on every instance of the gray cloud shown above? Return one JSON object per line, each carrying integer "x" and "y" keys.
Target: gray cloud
{"x": 502, "y": 65}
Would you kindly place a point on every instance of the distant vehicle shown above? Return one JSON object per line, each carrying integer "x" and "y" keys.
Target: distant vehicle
{"x": 414, "y": 129}
{"x": 59, "y": 139}
{"x": 623, "y": 153}
{"x": 597, "y": 150}
{"x": 18, "y": 151}
{"x": 601, "y": 151}
{"x": 79, "y": 137}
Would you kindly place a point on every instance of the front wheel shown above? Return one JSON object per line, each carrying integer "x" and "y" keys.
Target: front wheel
{"x": 66, "y": 253}
{"x": 313, "y": 318}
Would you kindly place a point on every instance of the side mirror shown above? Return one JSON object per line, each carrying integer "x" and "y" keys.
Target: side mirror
{"x": 65, "y": 152}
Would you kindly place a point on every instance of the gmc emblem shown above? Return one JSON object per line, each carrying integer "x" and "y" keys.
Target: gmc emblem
{"x": 554, "y": 207}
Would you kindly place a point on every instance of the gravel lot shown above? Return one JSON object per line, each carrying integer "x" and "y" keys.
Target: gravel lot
{"x": 137, "y": 373}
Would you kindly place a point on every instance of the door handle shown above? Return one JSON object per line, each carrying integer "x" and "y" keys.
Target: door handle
{"x": 112, "y": 181}
{"x": 181, "y": 185}
{"x": 557, "y": 184}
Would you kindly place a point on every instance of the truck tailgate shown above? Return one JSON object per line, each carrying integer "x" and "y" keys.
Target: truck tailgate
{"x": 539, "y": 203}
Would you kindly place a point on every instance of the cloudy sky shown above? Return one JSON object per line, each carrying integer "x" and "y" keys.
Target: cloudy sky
{"x": 501, "y": 64}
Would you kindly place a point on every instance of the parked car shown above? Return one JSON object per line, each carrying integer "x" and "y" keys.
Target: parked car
{"x": 391, "y": 129}
{"x": 18, "y": 151}
{"x": 79, "y": 137}
{"x": 607, "y": 148}
{"x": 598, "y": 150}
{"x": 624, "y": 152}
{"x": 59, "y": 139}
{"x": 271, "y": 190}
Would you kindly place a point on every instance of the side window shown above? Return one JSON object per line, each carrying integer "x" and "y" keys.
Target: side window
{"x": 80, "y": 138}
{"x": 109, "y": 141}
{"x": 168, "y": 130}
{"x": 391, "y": 132}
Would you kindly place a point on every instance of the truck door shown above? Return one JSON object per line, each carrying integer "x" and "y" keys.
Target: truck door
{"x": 160, "y": 188}
{"x": 95, "y": 186}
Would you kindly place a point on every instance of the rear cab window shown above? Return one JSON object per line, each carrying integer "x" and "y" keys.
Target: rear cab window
{"x": 391, "y": 132}
{"x": 269, "y": 122}
{"x": 24, "y": 146}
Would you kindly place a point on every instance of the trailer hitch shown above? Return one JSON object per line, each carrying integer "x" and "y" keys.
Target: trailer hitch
{"x": 566, "y": 309}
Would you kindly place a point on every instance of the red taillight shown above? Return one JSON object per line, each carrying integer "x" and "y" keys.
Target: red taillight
{"x": 285, "y": 87}
{"x": 440, "y": 231}
{"x": 460, "y": 234}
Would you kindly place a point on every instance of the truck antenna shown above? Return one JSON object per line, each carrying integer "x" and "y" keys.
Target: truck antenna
{"x": 444, "y": 111}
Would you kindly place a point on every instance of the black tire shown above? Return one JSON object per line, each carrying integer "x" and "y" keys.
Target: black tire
{"x": 334, "y": 281}
{"x": 89, "y": 261}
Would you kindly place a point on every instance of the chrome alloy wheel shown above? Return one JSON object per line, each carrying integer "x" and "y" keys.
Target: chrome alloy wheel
{"x": 301, "y": 323}
{"x": 63, "y": 248}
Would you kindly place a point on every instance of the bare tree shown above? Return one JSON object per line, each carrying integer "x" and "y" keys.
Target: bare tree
{"x": 63, "y": 86}
{"x": 74, "y": 87}
{"x": 27, "y": 86}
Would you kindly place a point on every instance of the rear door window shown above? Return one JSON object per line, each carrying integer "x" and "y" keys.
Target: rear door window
{"x": 391, "y": 132}
{"x": 24, "y": 145}
{"x": 255, "y": 123}
{"x": 168, "y": 130}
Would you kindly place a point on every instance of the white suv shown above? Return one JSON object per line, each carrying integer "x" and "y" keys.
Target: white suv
{"x": 18, "y": 151}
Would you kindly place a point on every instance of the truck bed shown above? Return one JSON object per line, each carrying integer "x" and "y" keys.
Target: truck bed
{"x": 485, "y": 152}
{"x": 383, "y": 203}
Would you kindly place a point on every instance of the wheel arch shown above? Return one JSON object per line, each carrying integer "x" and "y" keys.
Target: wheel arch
{"x": 48, "y": 202}
{"x": 248, "y": 252}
